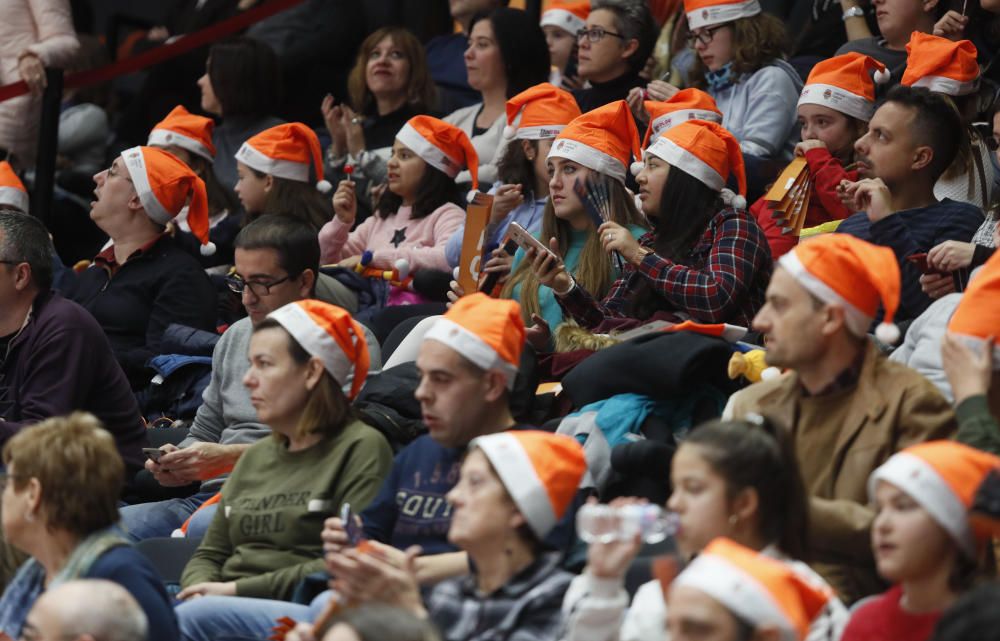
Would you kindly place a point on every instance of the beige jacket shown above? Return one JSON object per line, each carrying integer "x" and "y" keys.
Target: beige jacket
{"x": 892, "y": 407}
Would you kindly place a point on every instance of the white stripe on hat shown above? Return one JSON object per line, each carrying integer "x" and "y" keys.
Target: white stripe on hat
{"x": 539, "y": 132}
{"x": 521, "y": 479}
{"x": 135, "y": 164}
{"x": 315, "y": 340}
{"x": 738, "y": 591}
{"x": 472, "y": 347}
{"x": 165, "y": 137}
{"x": 288, "y": 169}
{"x": 563, "y": 19}
{"x": 588, "y": 156}
{"x": 950, "y": 86}
{"x": 684, "y": 160}
{"x": 428, "y": 151}
{"x": 674, "y": 118}
{"x": 709, "y": 16}
{"x": 838, "y": 99}
{"x": 923, "y": 484}
{"x": 857, "y": 321}
{"x": 14, "y": 197}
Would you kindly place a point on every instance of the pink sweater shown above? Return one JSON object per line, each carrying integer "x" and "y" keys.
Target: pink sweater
{"x": 420, "y": 242}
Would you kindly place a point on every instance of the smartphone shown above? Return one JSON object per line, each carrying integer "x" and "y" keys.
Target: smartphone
{"x": 153, "y": 453}
{"x": 920, "y": 260}
{"x": 490, "y": 281}
{"x": 351, "y": 527}
{"x": 525, "y": 240}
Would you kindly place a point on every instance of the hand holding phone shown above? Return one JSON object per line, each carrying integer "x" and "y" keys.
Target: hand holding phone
{"x": 351, "y": 527}
{"x": 153, "y": 453}
{"x": 526, "y": 241}
{"x": 920, "y": 260}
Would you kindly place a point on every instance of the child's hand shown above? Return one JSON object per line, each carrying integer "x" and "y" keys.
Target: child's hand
{"x": 345, "y": 202}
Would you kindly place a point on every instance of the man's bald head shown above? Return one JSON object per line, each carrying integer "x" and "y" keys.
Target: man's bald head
{"x": 86, "y": 610}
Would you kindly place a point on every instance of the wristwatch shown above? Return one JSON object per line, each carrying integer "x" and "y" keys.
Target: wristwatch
{"x": 853, "y": 12}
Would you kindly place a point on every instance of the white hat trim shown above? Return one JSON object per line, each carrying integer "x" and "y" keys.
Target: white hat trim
{"x": 287, "y": 169}
{"x": 14, "y": 197}
{"x": 857, "y": 321}
{"x": 428, "y": 151}
{"x": 588, "y": 156}
{"x": 521, "y": 479}
{"x": 923, "y": 484}
{"x": 838, "y": 99}
{"x": 719, "y": 14}
{"x": 563, "y": 19}
{"x": 687, "y": 162}
{"x": 315, "y": 340}
{"x": 674, "y": 118}
{"x": 737, "y": 590}
{"x": 135, "y": 164}
{"x": 165, "y": 137}
{"x": 471, "y": 346}
{"x": 539, "y": 132}
{"x": 950, "y": 86}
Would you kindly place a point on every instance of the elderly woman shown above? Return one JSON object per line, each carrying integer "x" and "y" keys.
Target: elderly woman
{"x": 143, "y": 280}
{"x": 512, "y": 488}
{"x": 60, "y": 501}
{"x": 307, "y": 360}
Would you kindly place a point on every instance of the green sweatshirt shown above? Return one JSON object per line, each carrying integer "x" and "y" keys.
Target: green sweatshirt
{"x": 976, "y": 426}
{"x": 265, "y": 534}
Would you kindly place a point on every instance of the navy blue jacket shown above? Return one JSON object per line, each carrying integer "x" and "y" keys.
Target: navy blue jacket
{"x": 131, "y": 570}
{"x": 916, "y": 231}
{"x": 150, "y": 291}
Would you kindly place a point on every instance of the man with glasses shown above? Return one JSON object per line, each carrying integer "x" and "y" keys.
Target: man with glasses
{"x": 276, "y": 262}
{"x": 612, "y": 49}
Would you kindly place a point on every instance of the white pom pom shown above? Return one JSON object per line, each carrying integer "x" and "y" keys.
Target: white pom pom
{"x": 509, "y": 132}
{"x": 403, "y": 267}
{"x": 454, "y": 273}
{"x": 881, "y": 77}
{"x": 208, "y": 249}
{"x": 770, "y": 373}
{"x": 738, "y": 202}
{"x": 887, "y": 333}
{"x": 324, "y": 186}
{"x": 636, "y": 167}
{"x": 471, "y": 196}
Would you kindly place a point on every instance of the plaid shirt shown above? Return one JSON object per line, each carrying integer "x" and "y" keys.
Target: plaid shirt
{"x": 722, "y": 280}
{"x": 526, "y": 608}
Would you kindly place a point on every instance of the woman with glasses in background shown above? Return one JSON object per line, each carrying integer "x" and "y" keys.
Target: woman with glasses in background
{"x": 740, "y": 63}
{"x": 612, "y": 49}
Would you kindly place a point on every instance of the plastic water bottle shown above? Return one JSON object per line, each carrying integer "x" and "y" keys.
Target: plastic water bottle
{"x": 600, "y": 523}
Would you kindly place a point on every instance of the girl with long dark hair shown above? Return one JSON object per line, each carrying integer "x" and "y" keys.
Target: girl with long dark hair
{"x": 704, "y": 260}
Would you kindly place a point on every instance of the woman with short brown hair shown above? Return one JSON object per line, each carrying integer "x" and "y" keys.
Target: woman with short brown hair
{"x": 60, "y": 502}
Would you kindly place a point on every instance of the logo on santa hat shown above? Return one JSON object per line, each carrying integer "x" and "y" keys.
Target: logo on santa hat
{"x": 827, "y": 94}
{"x": 704, "y": 14}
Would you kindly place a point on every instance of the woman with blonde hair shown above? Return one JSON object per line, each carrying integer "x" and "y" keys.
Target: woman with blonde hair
{"x": 308, "y": 359}
{"x": 60, "y": 504}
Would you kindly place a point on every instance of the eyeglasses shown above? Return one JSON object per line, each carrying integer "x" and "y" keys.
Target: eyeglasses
{"x": 257, "y": 288}
{"x": 704, "y": 36}
{"x": 596, "y": 34}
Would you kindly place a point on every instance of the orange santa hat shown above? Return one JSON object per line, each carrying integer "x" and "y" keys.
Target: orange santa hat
{"x": 487, "y": 331}
{"x": 977, "y": 317}
{"x": 442, "y": 146}
{"x": 540, "y": 470}
{"x": 942, "y": 476}
{"x": 12, "y": 191}
{"x": 568, "y": 15}
{"x": 705, "y": 13}
{"x": 285, "y": 151}
{"x": 686, "y": 104}
{"x": 185, "y": 130}
{"x": 165, "y": 184}
{"x": 845, "y": 84}
{"x": 941, "y": 65}
{"x": 705, "y": 150}
{"x": 540, "y": 112}
{"x": 330, "y": 334}
{"x": 756, "y": 589}
{"x": 840, "y": 269}
{"x": 604, "y": 140}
